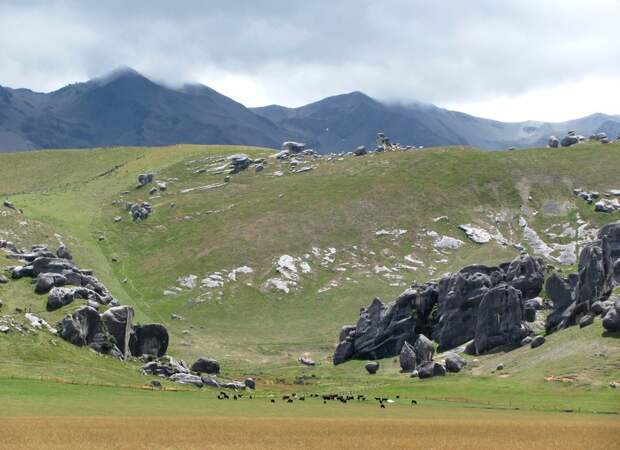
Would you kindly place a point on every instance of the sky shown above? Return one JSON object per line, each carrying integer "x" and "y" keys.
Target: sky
{"x": 508, "y": 60}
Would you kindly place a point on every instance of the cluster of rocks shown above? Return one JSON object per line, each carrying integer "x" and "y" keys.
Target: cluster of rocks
{"x": 484, "y": 308}
{"x": 481, "y": 304}
{"x": 579, "y": 297}
{"x": 573, "y": 138}
{"x": 604, "y": 205}
{"x": 56, "y": 274}
{"x": 203, "y": 372}
{"x": 111, "y": 332}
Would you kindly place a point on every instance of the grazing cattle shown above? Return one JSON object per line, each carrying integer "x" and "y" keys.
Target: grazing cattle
{"x": 290, "y": 400}
{"x": 285, "y": 397}
{"x": 382, "y": 405}
{"x": 413, "y": 402}
{"x": 234, "y": 397}
{"x": 302, "y": 398}
{"x": 273, "y": 400}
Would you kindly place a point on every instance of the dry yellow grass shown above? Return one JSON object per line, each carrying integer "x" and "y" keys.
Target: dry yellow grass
{"x": 464, "y": 430}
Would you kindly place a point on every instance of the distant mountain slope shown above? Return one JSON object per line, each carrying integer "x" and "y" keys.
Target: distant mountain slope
{"x": 126, "y": 108}
{"x": 342, "y": 122}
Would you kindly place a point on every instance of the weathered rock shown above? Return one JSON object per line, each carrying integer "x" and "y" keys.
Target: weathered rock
{"x": 63, "y": 252}
{"x": 166, "y": 366}
{"x": 51, "y": 265}
{"x": 526, "y": 274}
{"x": 382, "y": 328}
{"x": 529, "y": 314}
{"x": 84, "y": 328}
{"x": 3, "y": 279}
{"x": 359, "y": 151}
{"x": 145, "y": 178}
{"x": 206, "y": 365}
{"x": 431, "y": 369}
{"x": 250, "y": 383}
{"x": 454, "y": 363}
{"x": 208, "y": 381}
{"x": 407, "y": 358}
{"x": 586, "y": 320}
{"x": 458, "y": 299}
{"x": 293, "y": 147}
{"x": 140, "y": 211}
{"x": 477, "y": 235}
{"x": 239, "y": 162}
{"x": 595, "y": 274}
{"x": 46, "y": 281}
{"x": 553, "y": 142}
{"x": 372, "y": 367}
{"x": 500, "y": 366}
{"x": 611, "y": 321}
{"x": 569, "y": 140}
{"x": 424, "y": 349}
{"x": 527, "y": 340}
{"x": 306, "y": 361}
{"x": 236, "y": 385}
{"x": 187, "y": 378}
{"x": 149, "y": 339}
{"x": 59, "y": 297}
{"x": 537, "y": 341}
{"x": 118, "y": 322}
{"x": 611, "y": 233}
{"x": 499, "y": 319}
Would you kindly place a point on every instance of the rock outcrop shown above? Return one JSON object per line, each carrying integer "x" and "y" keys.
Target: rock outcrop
{"x": 499, "y": 319}
{"x": 576, "y": 295}
{"x": 382, "y": 329}
{"x": 460, "y": 294}
{"x": 611, "y": 320}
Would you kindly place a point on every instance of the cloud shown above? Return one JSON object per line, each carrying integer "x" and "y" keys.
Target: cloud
{"x": 291, "y": 52}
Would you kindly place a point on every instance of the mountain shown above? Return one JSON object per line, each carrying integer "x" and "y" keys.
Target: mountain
{"x": 343, "y": 122}
{"x": 126, "y": 108}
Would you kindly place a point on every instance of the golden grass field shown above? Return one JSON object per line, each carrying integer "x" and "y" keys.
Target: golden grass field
{"x": 459, "y": 429}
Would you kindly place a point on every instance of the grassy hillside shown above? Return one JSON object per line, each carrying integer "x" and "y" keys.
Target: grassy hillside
{"x": 333, "y": 211}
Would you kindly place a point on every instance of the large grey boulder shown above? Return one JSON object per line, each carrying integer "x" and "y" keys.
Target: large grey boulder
{"x": 59, "y": 297}
{"x": 499, "y": 319}
{"x": 145, "y": 178}
{"x": 431, "y": 369}
{"x": 569, "y": 140}
{"x": 51, "y": 265}
{"x": 407, "y": 358}
{"x": 595, "y": 274}
{"x": 458, "y": 300}
{"x": 424, "y": 349}
{"x": 3, "y": 279}
{"x": 46, "y": 281}
{"x": 140, "y": 211}
{"x": 553, "y": 142}
{"x": 239, "y": 162}
{"x": 611, "y": 321}
{"x": 118, "y": 322}
{"x": 206, "y": 365}
{"x": 149, "y": 339}
{"x": 372, "y": 367}
{"x": 84, "y": 328}
{"x": 293, "y": 147}
{"x": 454, "y": 363}
{"x": 537, "y": 341}
{"x": 526, "y": 274}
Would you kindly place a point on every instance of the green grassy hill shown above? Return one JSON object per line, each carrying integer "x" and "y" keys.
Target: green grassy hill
{"x": 328, "y": 218}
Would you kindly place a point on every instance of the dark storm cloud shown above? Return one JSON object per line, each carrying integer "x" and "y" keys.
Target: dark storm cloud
{"x": 296, "y": 51}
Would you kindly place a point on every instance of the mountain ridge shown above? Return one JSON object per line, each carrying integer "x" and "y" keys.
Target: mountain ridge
{"x": 125, "y": 107}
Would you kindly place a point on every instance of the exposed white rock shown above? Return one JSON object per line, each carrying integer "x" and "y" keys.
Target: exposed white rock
{"x": 411, "y": 259}
{"x": 568, "y": 256}
{"x": 280, "y": 284}
{"x": 37, "y": 322}
{"x": 395, "y": 233}
{"x": 448, "y": 243}
{"x": 246, "y": 270}
{"x": 477, "y": 235}
{"x": 287, "y": 268}
{"x": 188, "y": 281}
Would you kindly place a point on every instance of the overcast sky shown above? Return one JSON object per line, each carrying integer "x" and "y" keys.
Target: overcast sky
{"x": 508, "y": 60}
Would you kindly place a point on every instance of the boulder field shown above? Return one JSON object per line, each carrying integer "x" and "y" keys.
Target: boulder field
{"x": 485, "y": 308}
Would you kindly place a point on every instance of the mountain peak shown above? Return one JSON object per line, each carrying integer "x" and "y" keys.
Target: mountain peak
{"x": 121, "y": 73}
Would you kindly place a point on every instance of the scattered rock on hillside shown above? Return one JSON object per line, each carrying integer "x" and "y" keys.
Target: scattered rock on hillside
{"x": 166, "y": 366}
{"x": 569, "y": 139}
{"x": 586, "y": 320}
{"x": 537, "y": 341}
{"x": 424, "y": 349}
{"x": 306, "y": 361}
{"x": 187, "y": 378}
{"x": 372, "y": 367}
{"x": 454, "y": 363}
{"x": 554, "y": 142}
{"x": 63, "y": 252}
{"x": 206, "y": 365}
{"x": 477, "y": 235}
{"x": 3, "y": 279}
{"x": 448, "y": 243}
{"x": 293, "y": 147}
{"x": 140, "y": 211}
{"x": 46, "y": 281}
{"x": 239, "y": 162}
{"x": 431, "y": 369}
{"x": 611, "y": 321}
{"x": 359, "y": 151}
{"x": 407, "y": 358}
{"x": 250, "y": 383}
{"x": 145, "y": 178}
